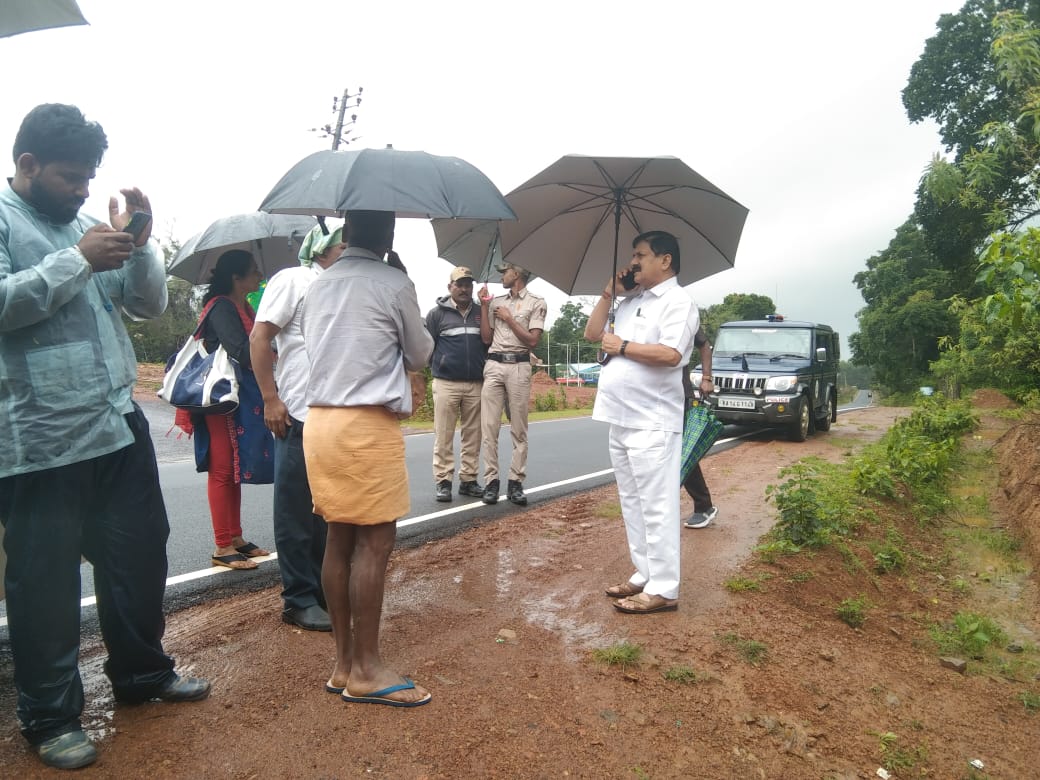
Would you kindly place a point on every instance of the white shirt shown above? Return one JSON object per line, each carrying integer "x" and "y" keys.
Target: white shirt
{"x": 281, "y": 305}
{"x": 633, "y": 394}
{"x": 363, "y": 330}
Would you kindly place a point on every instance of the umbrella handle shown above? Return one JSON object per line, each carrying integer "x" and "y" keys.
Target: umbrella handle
{"x": 602, "y": 357}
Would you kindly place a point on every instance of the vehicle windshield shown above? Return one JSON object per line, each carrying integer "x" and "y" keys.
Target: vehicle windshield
{"x": 764, "y": 342}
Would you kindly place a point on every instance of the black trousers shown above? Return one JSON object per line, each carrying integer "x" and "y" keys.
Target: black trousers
{"x": 110, "y": 510}
{"x": 299, "y": 534}
{"x": 698, "y": 489}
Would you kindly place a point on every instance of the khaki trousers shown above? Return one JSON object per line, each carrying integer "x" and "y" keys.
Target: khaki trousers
{"x": 505, "y": 382}
{"x": 456, "y": 401}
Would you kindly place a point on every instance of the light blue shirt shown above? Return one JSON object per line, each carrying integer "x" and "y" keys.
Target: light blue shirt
{"x": 67, "y": 367}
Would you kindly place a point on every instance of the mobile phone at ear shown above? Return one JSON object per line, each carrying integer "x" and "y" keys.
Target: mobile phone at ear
{"x": 138, "y": 222}
{"x": 628, "y": 279}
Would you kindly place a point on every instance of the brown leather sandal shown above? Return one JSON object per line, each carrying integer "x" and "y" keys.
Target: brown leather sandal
{"x": 623, "y": 591}
{"x": 644, "y": 604}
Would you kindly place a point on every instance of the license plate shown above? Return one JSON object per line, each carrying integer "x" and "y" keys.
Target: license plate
{"x": 736, "y": 403}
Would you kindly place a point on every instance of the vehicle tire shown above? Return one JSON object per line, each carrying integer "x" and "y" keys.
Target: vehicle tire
{"x": 824, "y": 423}
{"x": 799, "y": 430}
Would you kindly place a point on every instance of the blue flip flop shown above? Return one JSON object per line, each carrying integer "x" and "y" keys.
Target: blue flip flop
{"x": 330, "y": 688}
{"x": 380, "y": 697}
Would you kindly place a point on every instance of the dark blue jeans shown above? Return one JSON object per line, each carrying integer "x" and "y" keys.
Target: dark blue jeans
{"x": 299, "y": 534}
{"x": 110, "y": 510}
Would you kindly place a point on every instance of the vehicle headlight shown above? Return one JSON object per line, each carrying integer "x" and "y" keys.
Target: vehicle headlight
{"x": 695, "y": 378}
{"x": 781, "y": 383}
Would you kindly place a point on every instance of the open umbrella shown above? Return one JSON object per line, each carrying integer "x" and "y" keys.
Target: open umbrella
{"x": 410, "y": 184}
{"x": 21, "y": 16}
{"x": 574, "y": 215}
{"x": 274, "y": 241}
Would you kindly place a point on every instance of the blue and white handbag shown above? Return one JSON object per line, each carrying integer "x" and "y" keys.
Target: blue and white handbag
{"x": 201, "y": 382}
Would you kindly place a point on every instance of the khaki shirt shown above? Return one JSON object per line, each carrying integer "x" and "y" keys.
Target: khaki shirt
{"x": 528, "y": 309}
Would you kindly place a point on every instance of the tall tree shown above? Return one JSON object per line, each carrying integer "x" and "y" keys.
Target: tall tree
{"x": 735, "y": 306}
{"x": 977, "y": 79}
{"x": 567, "y": 329}
{"x": 155, "y": 340}
{"x": 906, "y": 313}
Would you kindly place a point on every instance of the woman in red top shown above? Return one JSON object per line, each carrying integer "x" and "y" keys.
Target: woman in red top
{"x": 222, "y": 444}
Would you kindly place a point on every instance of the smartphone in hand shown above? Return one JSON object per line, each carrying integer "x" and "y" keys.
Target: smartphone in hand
{"x": 138, "y": 222}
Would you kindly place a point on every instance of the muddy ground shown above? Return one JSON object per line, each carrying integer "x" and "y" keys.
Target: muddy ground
{"x": 816, "y": 703}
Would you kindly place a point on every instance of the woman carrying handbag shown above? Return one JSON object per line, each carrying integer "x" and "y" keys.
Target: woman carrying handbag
{"x": 236, "y": 447}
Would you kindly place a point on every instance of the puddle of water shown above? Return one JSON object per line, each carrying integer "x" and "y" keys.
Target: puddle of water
{"x": 505, "y": 573}
{"x": 552, "y": 613}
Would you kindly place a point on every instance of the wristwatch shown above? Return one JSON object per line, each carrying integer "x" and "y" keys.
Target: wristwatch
{"x": 622, "y": 350}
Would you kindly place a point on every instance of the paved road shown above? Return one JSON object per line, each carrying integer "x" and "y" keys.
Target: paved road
{"x": 566, "y": 456}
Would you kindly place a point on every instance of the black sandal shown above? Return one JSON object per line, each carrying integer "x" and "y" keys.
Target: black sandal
{"x": 251, "y": 550}
{"x": 227, "y": 561}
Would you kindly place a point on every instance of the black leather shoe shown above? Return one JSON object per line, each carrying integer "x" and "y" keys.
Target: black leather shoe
{"x": 444, "y": 490}
{"x": 491, "y": 492}
{"x": 312, "y": 618}
{"x": 516, "y": 493}
{"x": 471, "y": 489}
{"x": 184, "y": 689}
{"x": 177, "y": 689}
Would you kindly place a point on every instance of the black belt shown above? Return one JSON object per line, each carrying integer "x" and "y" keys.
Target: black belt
{"x": 510, "y": 357}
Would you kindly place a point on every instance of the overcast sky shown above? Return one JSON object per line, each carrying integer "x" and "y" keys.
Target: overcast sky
{"x": 792, "y": 108}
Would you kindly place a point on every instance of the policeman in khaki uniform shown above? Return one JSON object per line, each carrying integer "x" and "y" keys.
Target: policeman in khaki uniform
{"x": 511, "y": 324}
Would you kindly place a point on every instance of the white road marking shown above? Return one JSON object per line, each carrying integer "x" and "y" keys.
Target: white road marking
{"x": 214, "y": 570}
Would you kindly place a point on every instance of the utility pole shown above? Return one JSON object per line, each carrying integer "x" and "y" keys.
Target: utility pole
{"x": 339, "y": 108}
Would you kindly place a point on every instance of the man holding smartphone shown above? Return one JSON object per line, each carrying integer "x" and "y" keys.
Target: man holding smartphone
{"x": 641, "y": 396}
{"x": 78, "y": 474}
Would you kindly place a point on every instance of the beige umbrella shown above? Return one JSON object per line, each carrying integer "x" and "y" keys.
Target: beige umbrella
{"x": 21, "y": 16}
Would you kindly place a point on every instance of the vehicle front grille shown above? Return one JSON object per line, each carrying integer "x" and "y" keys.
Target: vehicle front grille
{"x": 739, "y": 383}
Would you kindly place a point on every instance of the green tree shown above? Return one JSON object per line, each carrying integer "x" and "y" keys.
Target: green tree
{"x": 978, "y": 79}
{"x": 735, "y": 306}
{"x": 906, "y": 313}
{"x": 155, "y": 340}
{"x": 568, "y": 328}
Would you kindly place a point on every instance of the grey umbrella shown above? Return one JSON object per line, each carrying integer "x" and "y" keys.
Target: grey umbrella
{"x": 410, "y": 184}
{"x": 273, "y": 239}
{"x": 20, "y": 16}
{"x": 574, "y": 216}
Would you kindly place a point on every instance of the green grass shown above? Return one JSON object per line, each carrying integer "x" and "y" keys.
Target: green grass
{"x": 751, "y": 650}
{"x": 686, "y": 675}
{"x": 623, "y": 654}
{"x": 853, "y": 611}
{"x": 895, "y": 757}
{"x": 1030, "y": 700}
{"x": 970, "y": 634}
{"x": 743, "y": 584}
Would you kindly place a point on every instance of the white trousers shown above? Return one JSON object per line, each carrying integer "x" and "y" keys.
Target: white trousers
{"x": 646, "y": 467}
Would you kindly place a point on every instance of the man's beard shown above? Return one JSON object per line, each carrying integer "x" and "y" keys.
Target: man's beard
{"x": 45, "y": 203}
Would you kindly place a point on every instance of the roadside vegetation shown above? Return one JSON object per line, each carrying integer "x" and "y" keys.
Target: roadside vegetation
{"x": 907, "y": 521}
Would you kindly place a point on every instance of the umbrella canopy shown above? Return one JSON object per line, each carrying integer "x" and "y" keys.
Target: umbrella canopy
{"x": 410, "y": 184}
{"x": 274, "y": 241}
{"x": 20, "y": 16}
{"x": 575, "y": 216}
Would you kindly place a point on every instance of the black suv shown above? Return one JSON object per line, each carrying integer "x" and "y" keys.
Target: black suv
{"x": 777, "y": 373}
